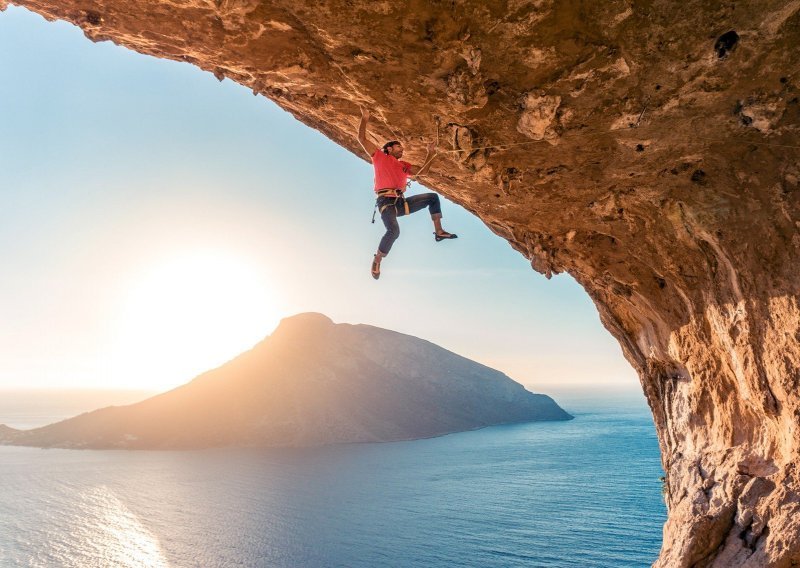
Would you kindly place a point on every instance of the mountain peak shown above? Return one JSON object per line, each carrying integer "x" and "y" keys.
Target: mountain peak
{"x": 307, "y": 318}
{"x": 307, "y": 325}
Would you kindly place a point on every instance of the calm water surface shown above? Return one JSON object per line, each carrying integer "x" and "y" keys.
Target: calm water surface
{"x": 579, "y": 493}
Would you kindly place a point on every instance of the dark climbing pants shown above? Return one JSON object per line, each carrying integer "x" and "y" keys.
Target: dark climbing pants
{"x": 396, "y": 208}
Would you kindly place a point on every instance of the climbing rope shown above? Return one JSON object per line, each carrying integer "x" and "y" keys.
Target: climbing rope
{"x": 600, "y": 133}
{"x": 574, "y": 134}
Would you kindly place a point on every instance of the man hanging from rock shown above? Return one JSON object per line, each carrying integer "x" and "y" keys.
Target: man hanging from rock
{"x": 391, "y": 178}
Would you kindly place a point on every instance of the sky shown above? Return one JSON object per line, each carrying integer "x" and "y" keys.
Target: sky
{"x": 155, "y": 222}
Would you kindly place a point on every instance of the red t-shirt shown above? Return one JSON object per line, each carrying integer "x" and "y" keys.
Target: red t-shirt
{"x": 390, "y": 173}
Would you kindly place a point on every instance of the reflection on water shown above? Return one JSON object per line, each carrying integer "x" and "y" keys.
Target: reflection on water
{"x": 121, "y": 539}
{"x": 560, "y": 494}
{"x": 87, "y": 529}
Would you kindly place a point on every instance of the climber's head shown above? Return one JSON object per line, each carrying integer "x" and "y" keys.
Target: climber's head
{"x": 393, "y": 148}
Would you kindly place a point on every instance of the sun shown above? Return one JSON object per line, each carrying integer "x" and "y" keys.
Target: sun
{"x": 187, "y": 314}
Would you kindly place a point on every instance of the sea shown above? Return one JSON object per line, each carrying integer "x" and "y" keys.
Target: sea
{"x": 580, "y": 493}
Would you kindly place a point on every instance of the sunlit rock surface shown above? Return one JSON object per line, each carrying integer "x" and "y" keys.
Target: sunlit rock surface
{"x": 648, "y": 149}
{"x": 312, "y": 382}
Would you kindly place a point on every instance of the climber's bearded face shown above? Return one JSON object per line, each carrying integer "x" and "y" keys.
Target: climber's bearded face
{"x": 396, "y": 151}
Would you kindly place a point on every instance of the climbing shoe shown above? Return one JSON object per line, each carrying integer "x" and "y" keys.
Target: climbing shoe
{"x": 376, "y": 267}
{"x": 443, "y": 236}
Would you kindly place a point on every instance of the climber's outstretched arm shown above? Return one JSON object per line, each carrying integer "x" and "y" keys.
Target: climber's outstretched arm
{"x": 426, "y": 165}
{"x": 368, "y": 146}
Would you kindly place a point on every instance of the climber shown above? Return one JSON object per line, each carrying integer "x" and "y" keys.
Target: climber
{"x": 391, "y": 178}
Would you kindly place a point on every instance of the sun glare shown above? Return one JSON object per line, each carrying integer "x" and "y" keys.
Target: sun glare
{"x": 189, "y": 314}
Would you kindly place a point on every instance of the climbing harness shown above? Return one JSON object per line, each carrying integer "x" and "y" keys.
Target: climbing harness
{"x": 396, "y": 194}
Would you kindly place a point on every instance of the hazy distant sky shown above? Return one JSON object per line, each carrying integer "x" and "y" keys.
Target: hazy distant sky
{"x": 155, "y": 222}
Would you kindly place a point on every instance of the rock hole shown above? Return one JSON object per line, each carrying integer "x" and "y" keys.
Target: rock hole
{"x": 555, "y": 169}
{"x": 784, "y": 80}
{"x": 699, "y": 177}
{"x": 497, "y": 195}
{"x": 93, "y": 18}
{"x": 658, "y": 87}
{"x": 640, "y": 148}
{"x": 621, "y": 290}
{"x": 491, "y": 87}
{"x": 430, "y": 30}
{"x": 661, "y": 282}
{"x": 725, "y": 43}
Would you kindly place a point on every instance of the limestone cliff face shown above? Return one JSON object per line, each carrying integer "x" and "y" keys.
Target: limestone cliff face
{"x": 649, "y": 149}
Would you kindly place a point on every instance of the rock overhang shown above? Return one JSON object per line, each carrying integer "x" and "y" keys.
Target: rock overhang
{"x": 649, "y": 151}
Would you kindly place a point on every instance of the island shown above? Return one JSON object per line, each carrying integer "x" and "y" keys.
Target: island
{"x": 312, "y": 382}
